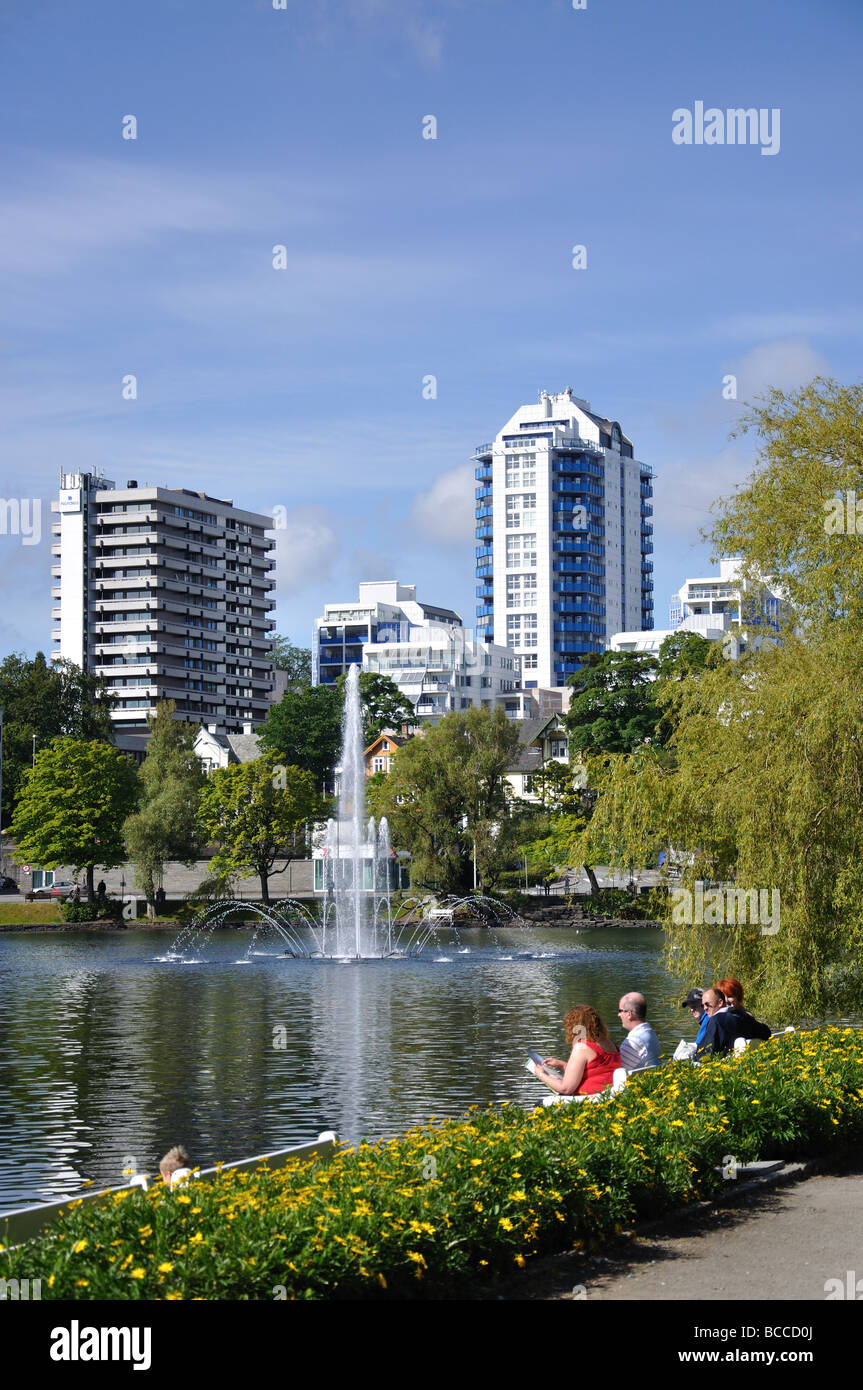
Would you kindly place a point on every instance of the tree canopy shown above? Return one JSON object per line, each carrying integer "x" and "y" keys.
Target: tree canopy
{"x": 447, "y": 797}
{"x": 304, "y": 729}
{"x": 255, "y": 813}
{"x": 166, "y": 827}
{"x": 48, "y": 701}
{"x": 295, "y": 661}
{"x": 760, "y": 786}
{"x": 613, "y": 705}
{"x": 382, "y": 704}
{"x": 72, "y": 806}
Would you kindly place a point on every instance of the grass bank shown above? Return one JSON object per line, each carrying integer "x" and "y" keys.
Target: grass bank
{"x": 20, "y": 914}
{"x": 462, "y": 1199}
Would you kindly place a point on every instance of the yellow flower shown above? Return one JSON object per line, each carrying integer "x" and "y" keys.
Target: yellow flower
{"x": 79, "y": 1246}
{"x": 165, "y": 1268}
{"x": 519, "y": 1259}
{"x": 417, "y": 1258}
{"x": 506, "y": 1223}
{"x": 518, "y": 1196}
{"x": 51, "y": 1281}
{"x": 476, "y": 1163}
{"x": 184, "y": 1199}
{"x": 81, "y": 1283}
{"x": 137, "y": 1273}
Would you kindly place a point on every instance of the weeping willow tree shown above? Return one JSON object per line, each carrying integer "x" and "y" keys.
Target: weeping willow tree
{"x": 760, "y": 784}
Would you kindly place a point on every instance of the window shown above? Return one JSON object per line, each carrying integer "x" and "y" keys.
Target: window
{"x": 521, "y": 470}
{"x": 558, "y": 748}
{"x": 385, "y": 745}
{"x": 520, "y": 510}
{"x": 530, "y": 662}
{"x": 521, "y": 630}
{"x": 521, "y": 591}
{"x": 380, "y": 764}
{"x": 520, "y": 551}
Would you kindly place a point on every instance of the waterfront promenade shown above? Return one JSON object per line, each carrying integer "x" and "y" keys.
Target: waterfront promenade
{"x": 783, "y": 1241}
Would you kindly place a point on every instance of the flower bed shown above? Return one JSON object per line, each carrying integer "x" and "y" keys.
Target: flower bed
{"x": 451, "y": 1201}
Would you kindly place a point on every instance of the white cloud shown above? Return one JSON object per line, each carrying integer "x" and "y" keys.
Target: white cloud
{"x": 408, "y": 19}
{"x": 66, "y": 211}
{"x": 445, "y": 513}
{"x": 785, "y": 364}
{"x": 685, "y": 489}
{"x": 307, "y": 548}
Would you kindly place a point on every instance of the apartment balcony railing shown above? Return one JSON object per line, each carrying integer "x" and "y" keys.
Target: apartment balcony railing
{"x": 574, "y": 443}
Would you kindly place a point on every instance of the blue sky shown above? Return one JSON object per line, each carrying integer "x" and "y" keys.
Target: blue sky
{"x": 302, "y": 388}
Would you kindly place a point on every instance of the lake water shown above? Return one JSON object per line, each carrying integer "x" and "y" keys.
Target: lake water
{"x": 108, "y": 1052}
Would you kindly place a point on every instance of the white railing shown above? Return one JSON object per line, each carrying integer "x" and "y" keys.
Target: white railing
{"x": 24, "y": 1223}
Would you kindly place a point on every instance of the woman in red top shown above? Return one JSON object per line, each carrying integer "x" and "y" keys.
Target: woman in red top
{"x": 593, "y": 1060}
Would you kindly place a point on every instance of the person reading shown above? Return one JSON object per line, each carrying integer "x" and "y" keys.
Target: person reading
{"x": 592, "y": 1061}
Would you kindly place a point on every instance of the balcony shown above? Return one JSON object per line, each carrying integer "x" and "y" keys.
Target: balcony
{"x": 577, "y": 445}
{"x": 483, "y": 450}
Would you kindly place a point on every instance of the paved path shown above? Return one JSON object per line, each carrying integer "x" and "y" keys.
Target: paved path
{"x": 782, "y": 1242}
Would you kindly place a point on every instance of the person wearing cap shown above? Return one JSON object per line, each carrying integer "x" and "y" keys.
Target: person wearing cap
{"x": 695, "y": 1004}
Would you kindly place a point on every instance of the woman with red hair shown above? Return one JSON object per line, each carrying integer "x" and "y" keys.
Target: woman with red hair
{"x": 592, "y": 1061}
{"x": 745, "y": 1025}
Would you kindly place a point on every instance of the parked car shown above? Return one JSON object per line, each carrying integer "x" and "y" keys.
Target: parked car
{"x": 8, "y": 885}
{"x": 63, "y": 889}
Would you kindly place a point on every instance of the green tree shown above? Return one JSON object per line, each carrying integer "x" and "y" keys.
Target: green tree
{"x": 166, "y": 826}
{"x": 550, "y": 854}
{"x": 46, "y": 702}
{"x": 382, "y": 704}
{"x": 761, "y": 784}
{"x": 257, "y": 812}
{"x": 72, "y": 807}
{"x": 682, "y": 654}
{"x": 296, "y": 661}
{"x": 447, "y": 799}
{"x": 613, "y": 706}
{"x": 556, "y": 786}
{"x": 304, "y": 729}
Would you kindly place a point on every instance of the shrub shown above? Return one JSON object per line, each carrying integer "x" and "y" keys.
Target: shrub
{"x": 98, "y": 910}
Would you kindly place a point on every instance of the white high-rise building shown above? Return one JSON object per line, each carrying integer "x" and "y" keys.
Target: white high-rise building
{"x": 716, "y": 607}
{"x": 425, "y": 650}
{"x": 563, "y": 536}
{"x": 166, "y": 593}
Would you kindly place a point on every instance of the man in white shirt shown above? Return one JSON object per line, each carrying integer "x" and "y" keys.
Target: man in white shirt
{"x": 641, "y": 1048}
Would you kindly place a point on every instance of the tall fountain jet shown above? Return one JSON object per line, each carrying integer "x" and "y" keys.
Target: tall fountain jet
{"x": 356, "y": 876}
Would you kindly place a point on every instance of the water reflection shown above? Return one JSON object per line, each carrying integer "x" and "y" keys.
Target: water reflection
{"x": 108, "y": 1053}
